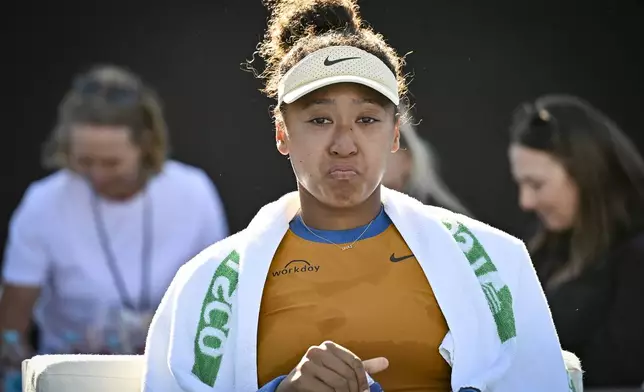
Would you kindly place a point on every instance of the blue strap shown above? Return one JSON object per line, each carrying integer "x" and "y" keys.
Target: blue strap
{"x": 375, "y": 387}
{"x": 272, "y": 386}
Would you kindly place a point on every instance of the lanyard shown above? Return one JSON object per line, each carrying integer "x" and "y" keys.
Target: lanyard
{"x": 110, "y": 259}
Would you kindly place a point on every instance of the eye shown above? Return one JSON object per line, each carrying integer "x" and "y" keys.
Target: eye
{"x": 367, "y": 120}
{"x": 534, "y": 185}
{"x": 320, "y": 121}
{"x": 110, "y": 163}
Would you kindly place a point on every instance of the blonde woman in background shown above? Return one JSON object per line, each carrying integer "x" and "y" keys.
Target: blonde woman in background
{"x": 100, "y": 239}
{"x": 414, "y": 170}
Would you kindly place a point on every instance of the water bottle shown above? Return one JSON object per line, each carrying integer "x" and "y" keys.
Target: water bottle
{"x": 111, "y": 344}
{"x": 114, "y": 344}
{"x": 11, "y": 357}
{"x": 72, "y": 343}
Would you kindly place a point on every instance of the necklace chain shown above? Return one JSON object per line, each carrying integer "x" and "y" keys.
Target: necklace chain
{"x": 341, "y": 247}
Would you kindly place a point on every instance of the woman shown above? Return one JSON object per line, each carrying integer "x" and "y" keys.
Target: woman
{"x": 345, "y": 276}
{"x": 585, "y": 181}
{"x": 413, "y": 169}
{"x": 101, "y": 238}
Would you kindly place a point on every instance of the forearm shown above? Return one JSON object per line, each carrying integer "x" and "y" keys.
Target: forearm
{"x": 16, "y": 306}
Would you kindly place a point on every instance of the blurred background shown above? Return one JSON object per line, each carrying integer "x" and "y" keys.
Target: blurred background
{"x": 471, "y": 63}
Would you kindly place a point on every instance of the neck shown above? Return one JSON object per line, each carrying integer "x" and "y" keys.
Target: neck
{"x": 319, "y": 216}
{"x": 125, "y": 194}
{"x": 127, "y": 191}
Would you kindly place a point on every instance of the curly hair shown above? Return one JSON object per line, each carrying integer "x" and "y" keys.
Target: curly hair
{"x": 297, "y": 28}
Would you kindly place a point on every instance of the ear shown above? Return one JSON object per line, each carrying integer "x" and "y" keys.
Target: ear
{"x": 280, "y": 137}
{"x": 396, "y": 146}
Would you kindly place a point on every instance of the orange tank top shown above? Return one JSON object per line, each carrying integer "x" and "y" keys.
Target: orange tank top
{"x": 373, "y": 299}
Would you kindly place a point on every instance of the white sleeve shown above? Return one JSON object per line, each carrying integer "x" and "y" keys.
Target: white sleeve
{"x": 215, "y": 224}
{"x": 538, "y": 359}
{"x": 26, "y": 260}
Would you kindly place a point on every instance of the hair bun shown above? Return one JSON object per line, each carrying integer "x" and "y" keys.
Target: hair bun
{"x": 292, "y": 20}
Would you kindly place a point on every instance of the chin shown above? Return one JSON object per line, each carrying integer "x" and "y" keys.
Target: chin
{"x": 556, "y": 227}
{"x": 111, "y": 195}
{"x": 342, "y": 202}
{"x": 345, "y": 197}
{"x": 104, "y": 191}
{"x": 114, "y": 193}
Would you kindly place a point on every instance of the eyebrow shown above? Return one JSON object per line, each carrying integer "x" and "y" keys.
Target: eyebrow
{"x": 528, "y": 178}
{"x": 329, "y": 101}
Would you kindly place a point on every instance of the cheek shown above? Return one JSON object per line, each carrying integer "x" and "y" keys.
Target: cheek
{"x": 550, "y": 196}
{"x": 570, "y": 199}
{"x": 133, "y": 159}
{"x": 561, "y": 200}
{"x": 129, "y": 164}
{"x": 303, "y": 160}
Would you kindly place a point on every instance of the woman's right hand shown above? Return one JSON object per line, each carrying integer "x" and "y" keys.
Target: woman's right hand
{"x": 330, "y": 367}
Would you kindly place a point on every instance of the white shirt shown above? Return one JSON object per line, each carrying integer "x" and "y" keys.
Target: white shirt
{"x": 54, "y": 244}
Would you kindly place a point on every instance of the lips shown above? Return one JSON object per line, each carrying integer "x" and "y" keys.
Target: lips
{"x": 343, "y": 172}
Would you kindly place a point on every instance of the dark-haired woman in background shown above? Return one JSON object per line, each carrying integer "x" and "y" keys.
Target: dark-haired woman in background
{"x": 94, "y": 245}
{"x": 584, "y": 179}
{"x": 413, "y": 170}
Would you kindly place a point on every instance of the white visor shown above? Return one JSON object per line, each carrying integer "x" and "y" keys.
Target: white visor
{"x": 337, "y": 64}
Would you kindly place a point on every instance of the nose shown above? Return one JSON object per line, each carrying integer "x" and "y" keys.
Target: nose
{"x": 527, "y": 199}
{"x": 97, "y": 175}
{"x": 343, "y": 143}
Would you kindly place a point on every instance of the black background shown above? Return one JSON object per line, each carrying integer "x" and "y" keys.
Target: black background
{"x": 472, "y": 63}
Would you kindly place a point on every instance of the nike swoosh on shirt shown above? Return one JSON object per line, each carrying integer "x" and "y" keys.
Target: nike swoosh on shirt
{"x": 395, "y": 259}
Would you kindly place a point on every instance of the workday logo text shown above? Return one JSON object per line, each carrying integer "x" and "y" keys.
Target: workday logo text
{"x": 296, "y": 267}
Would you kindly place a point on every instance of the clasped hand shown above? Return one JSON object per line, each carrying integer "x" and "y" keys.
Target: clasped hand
{"x": 330, "y": 367}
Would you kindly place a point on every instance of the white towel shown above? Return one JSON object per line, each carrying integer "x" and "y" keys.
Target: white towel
{"x": 501, "y": 336}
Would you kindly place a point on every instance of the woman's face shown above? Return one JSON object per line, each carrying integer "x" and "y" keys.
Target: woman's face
{"x": 107, "y": 157}
{"x": 398, "y": 170}
{"x": 545, "y": 187}
{"x": 339, "y": 139}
